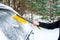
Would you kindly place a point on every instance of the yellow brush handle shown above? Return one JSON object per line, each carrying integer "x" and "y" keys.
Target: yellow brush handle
{"x": 19, "y": 19}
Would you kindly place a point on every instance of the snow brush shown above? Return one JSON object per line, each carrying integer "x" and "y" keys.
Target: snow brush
{"x": 22, "y": 20}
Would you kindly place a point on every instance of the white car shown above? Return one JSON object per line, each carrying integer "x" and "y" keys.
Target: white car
{"x": 10, "y": 29}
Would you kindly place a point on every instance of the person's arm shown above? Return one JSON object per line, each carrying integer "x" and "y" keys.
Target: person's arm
{"x": 49, "y": 25}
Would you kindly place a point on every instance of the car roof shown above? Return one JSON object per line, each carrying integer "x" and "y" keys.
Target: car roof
{"x": 6, "y": 7}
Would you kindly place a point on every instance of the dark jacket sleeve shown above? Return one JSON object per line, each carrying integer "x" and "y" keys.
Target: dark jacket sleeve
{"x": 49, "y": 25}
